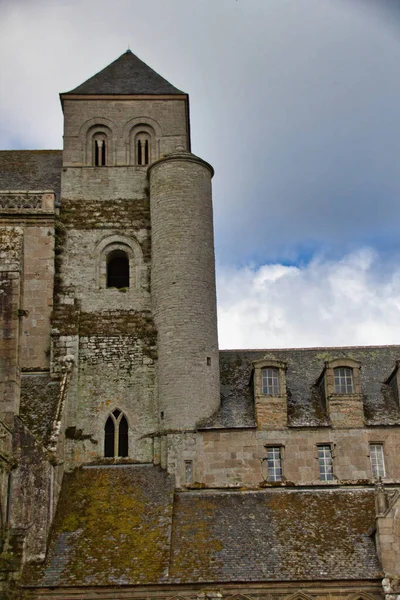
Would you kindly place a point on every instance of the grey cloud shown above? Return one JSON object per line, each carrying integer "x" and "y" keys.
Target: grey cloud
{"x": 296, "y": 104}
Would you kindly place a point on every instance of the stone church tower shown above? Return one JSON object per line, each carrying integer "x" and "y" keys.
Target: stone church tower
{"x": 137, "y": 461}
{"x": 136, "y": 269}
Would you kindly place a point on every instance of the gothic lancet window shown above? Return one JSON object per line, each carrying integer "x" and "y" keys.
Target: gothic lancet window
{"x": 116, "y": 435}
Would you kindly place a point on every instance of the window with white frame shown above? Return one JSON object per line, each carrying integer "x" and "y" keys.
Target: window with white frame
{"x": 325, "y": 462}
{"x": 274, "y": 463}
{"x": 270, "y": 381}
{"x": 377, "y": 460}
{"x": 343, "y": 380}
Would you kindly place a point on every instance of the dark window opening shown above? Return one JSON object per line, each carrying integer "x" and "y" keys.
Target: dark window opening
{"x": 143, "y": 151}
{"x": 109, "y": 438}
{"x": 123, "y": 438}
{"x": 99, "y": 153}
{"x": 118, "y": 270}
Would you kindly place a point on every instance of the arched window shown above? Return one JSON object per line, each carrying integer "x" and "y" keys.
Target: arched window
{"x": 99, "y": 150}
{"x": 116, "y": 435}
{"x": 142, "y": 148}
{"x": 118, "y": 269}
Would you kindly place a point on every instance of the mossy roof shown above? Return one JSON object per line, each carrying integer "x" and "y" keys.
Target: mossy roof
{"x": 112, "y": 527}
{"x": 304, "y": 366}
{"x": 31, "y": 170}
{"x": 126, "y": 75}
{"x": 124, "y": 526}
{"x": 274, "y": 535}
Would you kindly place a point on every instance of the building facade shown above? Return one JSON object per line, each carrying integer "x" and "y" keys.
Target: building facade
{"x": 138, "y": 460}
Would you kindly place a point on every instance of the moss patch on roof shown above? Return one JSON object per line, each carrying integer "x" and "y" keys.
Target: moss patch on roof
{"x": 112, "y": 528}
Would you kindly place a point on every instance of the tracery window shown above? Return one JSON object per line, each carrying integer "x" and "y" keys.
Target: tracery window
{"x": 343, "y": 380}
{"x": 116, "y": 435}
{"x": 118, "y": 269}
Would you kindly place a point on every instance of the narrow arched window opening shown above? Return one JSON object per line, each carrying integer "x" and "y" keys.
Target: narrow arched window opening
{"x": 100, "y": 150}
{"x": 143, "y": 149}
{"x": 116, "y": 435}
{"x": 109, "y": 438}
{"x": 118, "y": 269}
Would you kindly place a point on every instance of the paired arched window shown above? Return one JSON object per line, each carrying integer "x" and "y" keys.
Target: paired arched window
{"x": 142, "y": 148}
{"x": 117, "y": 269}
{"x": 99, "y": 149}
{"x": 116, "y": 435}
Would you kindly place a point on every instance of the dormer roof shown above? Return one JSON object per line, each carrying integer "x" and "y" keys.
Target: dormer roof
{"x": 127, "y": 75}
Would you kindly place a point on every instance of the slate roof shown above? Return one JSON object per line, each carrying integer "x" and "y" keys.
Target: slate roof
{"x": 113, "y": 527}
{"x": 38, "y": 406}
{"x": 31, "y": 170}
{"x": 304, "y": 366}
{"x": 126, "y": 75}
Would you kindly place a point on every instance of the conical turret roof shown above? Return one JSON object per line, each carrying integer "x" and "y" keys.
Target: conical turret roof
{"x": 126, "y": 75}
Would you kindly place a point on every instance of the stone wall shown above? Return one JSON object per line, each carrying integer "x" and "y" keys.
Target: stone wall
{"x": 346, "y": 590}
{"x": 31, "y": 499}
{"x": 11, "y": 241}
{"x": 167, "y": 119}
{"x": 235, "y": 458}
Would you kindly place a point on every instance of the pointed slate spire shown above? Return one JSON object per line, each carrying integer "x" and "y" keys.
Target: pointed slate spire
{"x": 126, "y": 75}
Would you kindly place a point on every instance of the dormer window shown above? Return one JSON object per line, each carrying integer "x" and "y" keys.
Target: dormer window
{"x": 339, "y": 386}
{"x": 343, "y": 380}
{"x": 100, "y": 150}
{"x": 142, "y": 143}
{"x": 341, "y": 377}
{"x": 270, "y": 381}
{"x": 270, "y": 395}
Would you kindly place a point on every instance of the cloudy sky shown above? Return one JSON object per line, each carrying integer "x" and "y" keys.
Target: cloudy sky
{"x": 296, "y": 103}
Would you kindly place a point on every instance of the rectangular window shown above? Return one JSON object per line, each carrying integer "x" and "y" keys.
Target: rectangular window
{"x": 343, "y": 380}
{"x": 274, "y": 463}
{"x": 270, "y": 381}
{"x": 188, "y": 472}
{"x": 377, "y": 460}
{"x": 325, "y": 463}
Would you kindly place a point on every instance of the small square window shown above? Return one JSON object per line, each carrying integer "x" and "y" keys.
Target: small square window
{"x": 270, "y": 381}
{"x": 325, "y": 463}
{"x": 343, "y": 380}
{"x": 274, "y": 463}
{"x": 377, "y": 460}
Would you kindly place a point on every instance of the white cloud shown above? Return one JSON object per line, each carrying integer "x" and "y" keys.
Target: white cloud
{"x": 353, "y": 301}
